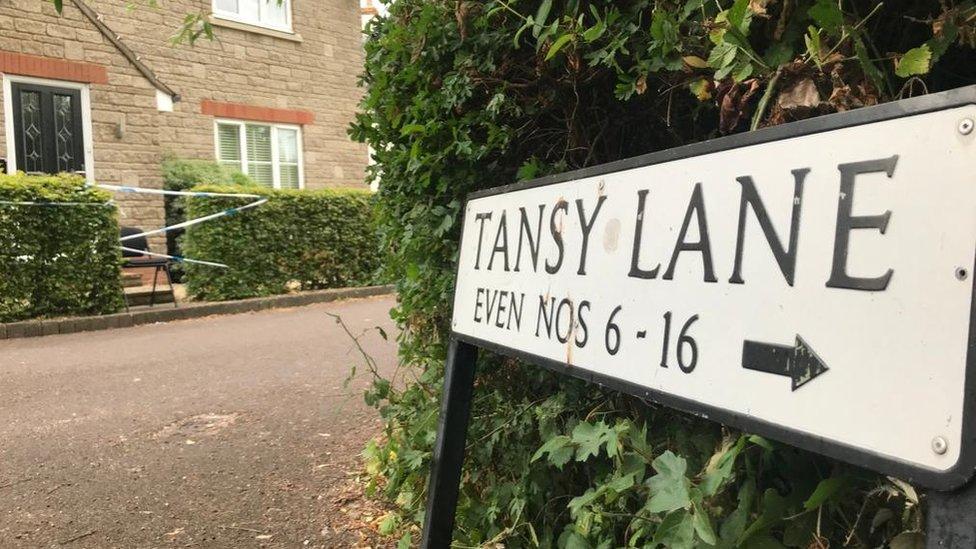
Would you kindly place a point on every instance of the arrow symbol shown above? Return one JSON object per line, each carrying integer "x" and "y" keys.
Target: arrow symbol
{"x": 798, "y": 362}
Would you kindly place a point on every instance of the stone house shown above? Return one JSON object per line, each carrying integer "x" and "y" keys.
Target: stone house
{"x": 101, "y": 89}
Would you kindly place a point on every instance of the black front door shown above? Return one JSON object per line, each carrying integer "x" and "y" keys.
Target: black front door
{"x": 47, "y": 129}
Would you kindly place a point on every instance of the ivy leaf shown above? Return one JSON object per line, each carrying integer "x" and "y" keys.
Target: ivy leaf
{"x": 558, "y": 45}
{"x": 826, "y": 489}
{"x": 589, "y": 437}
{"x": 676, "y": 531}
{"x": 827, "y": 15}
{"x": 915, "y": 61}
{"x": 560, "y": 451}
{"x": 669, "y": 487}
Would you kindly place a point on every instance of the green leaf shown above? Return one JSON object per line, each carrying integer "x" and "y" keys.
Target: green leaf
{"x": 559, "y": 448}
{"x": 744, "y": 71}
{"x": 915, "y": 61}
{"x": 735, "y": 524}
{"x": 669, "y": 487}
{"x": 827, "y": 15}
{"x": 825, "y": 490}
{"x": 722, "y": 55}
{"x": 540, "y": 17}
{"x": 719, "y": 467}
{"x": 410, "y": 129}
{"x": 739, "y": 16}
{"x": 405, "y": 541}
{"x": 589, "y": 437}
{"x": 558, "y": 45}
{"x": 676, "y": 531}
{"x": 703, "y": 525}
{"x": 812, "y": 40}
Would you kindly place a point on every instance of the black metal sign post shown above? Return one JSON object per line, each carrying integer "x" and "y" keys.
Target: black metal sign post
{"x": 951, "y": 502}
{"x": 452, "y": 430}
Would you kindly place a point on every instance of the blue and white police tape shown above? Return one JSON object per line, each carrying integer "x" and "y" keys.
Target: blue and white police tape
{"x": 175, "y": 258}
{"x": 197, "y": 221}
{"x": 139, "y": 190}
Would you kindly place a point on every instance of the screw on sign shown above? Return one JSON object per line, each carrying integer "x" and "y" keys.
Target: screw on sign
{"x": 749, "y": 279}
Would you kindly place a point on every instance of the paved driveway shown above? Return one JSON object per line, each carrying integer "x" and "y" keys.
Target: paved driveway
{"x": 231, "y": 431}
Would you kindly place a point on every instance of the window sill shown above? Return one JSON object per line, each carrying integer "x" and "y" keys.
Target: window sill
{"x": 218, "y": 21}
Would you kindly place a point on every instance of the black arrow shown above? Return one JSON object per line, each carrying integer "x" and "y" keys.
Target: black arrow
{"x": 798, "y": 362}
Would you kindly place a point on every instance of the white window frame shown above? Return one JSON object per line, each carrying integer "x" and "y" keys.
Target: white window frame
{"x": 275, "y": 152}
{"x": 86, "y": 119}
{"x": 231, "y": 16}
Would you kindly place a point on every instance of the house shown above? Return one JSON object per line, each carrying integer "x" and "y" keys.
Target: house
{"x": 100, "y": 89}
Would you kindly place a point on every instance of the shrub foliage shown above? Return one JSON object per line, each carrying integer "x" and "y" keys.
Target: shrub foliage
{"x": 465, "y": 95}
{"x": 57, "y": 260}
{"x": 315, "y": 239}
{"x": 180, "y": 174}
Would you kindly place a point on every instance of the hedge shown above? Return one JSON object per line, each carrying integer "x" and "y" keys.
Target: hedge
{"x": 304, "y": 240}
{"x": 467, "y": 95}
{"x": 57, "y": 260}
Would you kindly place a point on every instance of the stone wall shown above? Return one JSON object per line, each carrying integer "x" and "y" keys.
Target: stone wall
{"x": 316, "y": 74}
{"x": 314, "y": 70}
{"x": 35, "y": 28}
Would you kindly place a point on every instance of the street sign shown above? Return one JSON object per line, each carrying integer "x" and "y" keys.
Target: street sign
{"x": 817, "y": 288}
{"x": 811, "y": 282}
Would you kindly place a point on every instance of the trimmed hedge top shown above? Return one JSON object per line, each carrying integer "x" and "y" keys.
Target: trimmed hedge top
{"x": 304, "y": 240}
{"x": 57, "y": 260}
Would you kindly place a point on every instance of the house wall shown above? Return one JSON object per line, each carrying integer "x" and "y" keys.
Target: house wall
{"x": 34, "y": 28}
{"x": 314, "y": 71}
{"x": 317, "y": 74}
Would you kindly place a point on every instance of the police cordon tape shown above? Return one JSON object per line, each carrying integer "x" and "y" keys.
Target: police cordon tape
{"x": 188, "y": 223}
{"x": 137, "y": 190}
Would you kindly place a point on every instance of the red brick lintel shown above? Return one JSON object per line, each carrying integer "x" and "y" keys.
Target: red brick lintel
{"x": 55, "y": 69}
{"x": 252, "y": 112}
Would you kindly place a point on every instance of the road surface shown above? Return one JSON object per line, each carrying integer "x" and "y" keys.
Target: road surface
{"x": 232, "y": 431}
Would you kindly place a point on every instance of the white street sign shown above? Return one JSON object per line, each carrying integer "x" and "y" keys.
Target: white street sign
{"x": 813, "y": 283}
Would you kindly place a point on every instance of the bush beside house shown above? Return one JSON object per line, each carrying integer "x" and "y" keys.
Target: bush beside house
{"x": 304, "y": 240}
{"x": 180, "y": 174}
{"x": 57, "y": 260}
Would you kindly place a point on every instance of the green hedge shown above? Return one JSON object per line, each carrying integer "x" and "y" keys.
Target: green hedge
{"x": 463, "y": 96}
{"x": 312, "y": 239}
{"x": 57, "y": 260}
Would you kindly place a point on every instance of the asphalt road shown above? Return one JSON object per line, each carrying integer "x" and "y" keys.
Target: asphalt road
{"x": 233, "y": 431}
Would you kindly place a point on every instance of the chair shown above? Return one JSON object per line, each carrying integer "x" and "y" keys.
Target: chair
{"x": 134, "y": 259}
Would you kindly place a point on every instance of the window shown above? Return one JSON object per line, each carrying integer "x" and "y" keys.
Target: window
{"x": 270, "y": 154}
{"x": 273, "y": 14}
{"x": 47, "y": 127}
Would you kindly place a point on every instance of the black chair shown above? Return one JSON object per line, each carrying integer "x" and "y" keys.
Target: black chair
{"x": 135, "y": 259}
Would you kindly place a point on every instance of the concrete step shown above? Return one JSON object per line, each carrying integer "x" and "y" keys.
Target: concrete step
{"x": 140, "y": 295}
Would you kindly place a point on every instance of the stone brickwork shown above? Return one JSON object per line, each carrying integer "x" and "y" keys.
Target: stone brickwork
{"x": 313, "y": 72}
{"x": 34, "y": 28}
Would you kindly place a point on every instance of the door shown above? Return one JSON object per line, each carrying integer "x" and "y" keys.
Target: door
{"x": 48, "y": 130}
